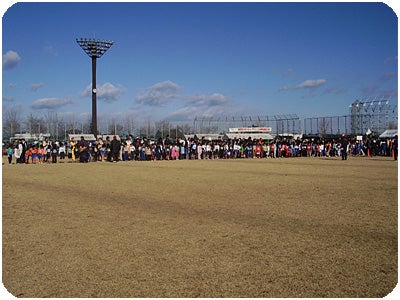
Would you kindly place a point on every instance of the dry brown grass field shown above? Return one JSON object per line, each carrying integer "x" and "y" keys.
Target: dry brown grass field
{"x": 305, "y": 227}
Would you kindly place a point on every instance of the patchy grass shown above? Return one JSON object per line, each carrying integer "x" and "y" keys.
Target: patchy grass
{"x": 239, "y": 228}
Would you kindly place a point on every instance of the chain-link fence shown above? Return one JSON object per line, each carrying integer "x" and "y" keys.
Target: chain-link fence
{"x": 365, "y": 116}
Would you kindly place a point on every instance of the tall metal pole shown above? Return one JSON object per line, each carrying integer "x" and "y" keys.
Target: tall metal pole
{"x": 94, "y": 49}
{"x": 94, "y": 98}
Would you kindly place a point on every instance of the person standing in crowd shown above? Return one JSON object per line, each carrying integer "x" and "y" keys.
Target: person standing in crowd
{"x": 126, "y": 149}
{"x": 61, "y": 152}
{"x": 121, "y": 151}
{"x": 135, "y": 149}
{"x": 46, "y": 145}
{"x": 41, "y": 154}
{"x": 193, "y": 147}
{"x": 54, "y": 152}
{"x": 258, "y": 150}
{"x": 17, "y": 152}
{"x": 69, "y": 153}
{"x": 48, "y": 153}
{"x": 102, "y": 148}
{"x": 24, "y": 149}
{"x": 72, "y": 145}
{"x": 129, "y": 149}
{"x": 343, "y": 148}
{"x": 10, "y": 152}
{"x": 395, "y": 147}
{"x": 368, "y": 144}
{"x": 34, "y": 151}
{"x": 83, "y": 150}
{"x": 108, "y": 148}
{"x": 27, "y": 155}
{"x": 199, "y": 151}
{"x": 217, "y": 148}
{"x": 182, "y": 149}
{"x": 115, "y": 147}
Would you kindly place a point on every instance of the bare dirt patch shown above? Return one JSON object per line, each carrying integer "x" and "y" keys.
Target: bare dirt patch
{"x": 239, "y": 228}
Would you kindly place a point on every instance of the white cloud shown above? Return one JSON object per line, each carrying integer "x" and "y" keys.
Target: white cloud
{"x": 207, "y": 100}
{"x": 183, "y": 114}
{"x": 187, "y": 106}
{"x": 308, "y": 84}
{"x": 50, "y": 103}
{"x": 35, "y": 86}
{"x": 8, "y": 99}
{"x": 187, "y": 113}
{"x": 159, "y": 94}
{"x": 215, "y": 111}
{"x": 106, "y": 92}
{"x": 201, "y": 105}
{"x": 10, "y": 60}
{"x": 311, "y": 83}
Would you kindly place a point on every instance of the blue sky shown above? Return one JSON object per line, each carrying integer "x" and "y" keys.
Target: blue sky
{"x": 176, "y": 61}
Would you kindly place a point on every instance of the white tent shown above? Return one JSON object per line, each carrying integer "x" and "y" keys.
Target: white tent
{"x": 206, "y": 136}
{"x": 389, "y": 133}
{"x": 245, "y": 136}
{"x": 87, "y": 137}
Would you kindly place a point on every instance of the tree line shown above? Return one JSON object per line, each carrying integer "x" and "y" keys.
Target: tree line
{"x": 59, "y": 127}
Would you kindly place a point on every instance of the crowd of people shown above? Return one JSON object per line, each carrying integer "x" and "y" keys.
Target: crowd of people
{"x": 142, "y": 149}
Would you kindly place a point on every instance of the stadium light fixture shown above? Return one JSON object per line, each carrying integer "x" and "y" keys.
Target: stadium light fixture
{"x": 94, "y": 49}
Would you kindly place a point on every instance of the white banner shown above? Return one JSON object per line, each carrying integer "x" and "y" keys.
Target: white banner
{"x": 251, "y": 129}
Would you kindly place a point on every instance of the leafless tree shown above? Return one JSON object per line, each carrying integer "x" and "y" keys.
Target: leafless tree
{"x": 11, "y": 121}
{"x": 114, "y": 127}
{"x": 324, "y": 125}
{"x": 35, "y": 125}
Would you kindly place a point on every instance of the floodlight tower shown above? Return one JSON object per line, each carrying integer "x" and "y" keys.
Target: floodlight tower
{"x": 95, "y": 49}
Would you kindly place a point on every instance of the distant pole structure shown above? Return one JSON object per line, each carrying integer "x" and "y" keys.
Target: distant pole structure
{"x": 372, "y": 114}
{"x": 95, "y": 48}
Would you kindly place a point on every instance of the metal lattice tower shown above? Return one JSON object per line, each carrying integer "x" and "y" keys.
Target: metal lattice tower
{"x": 371, "y": 114}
